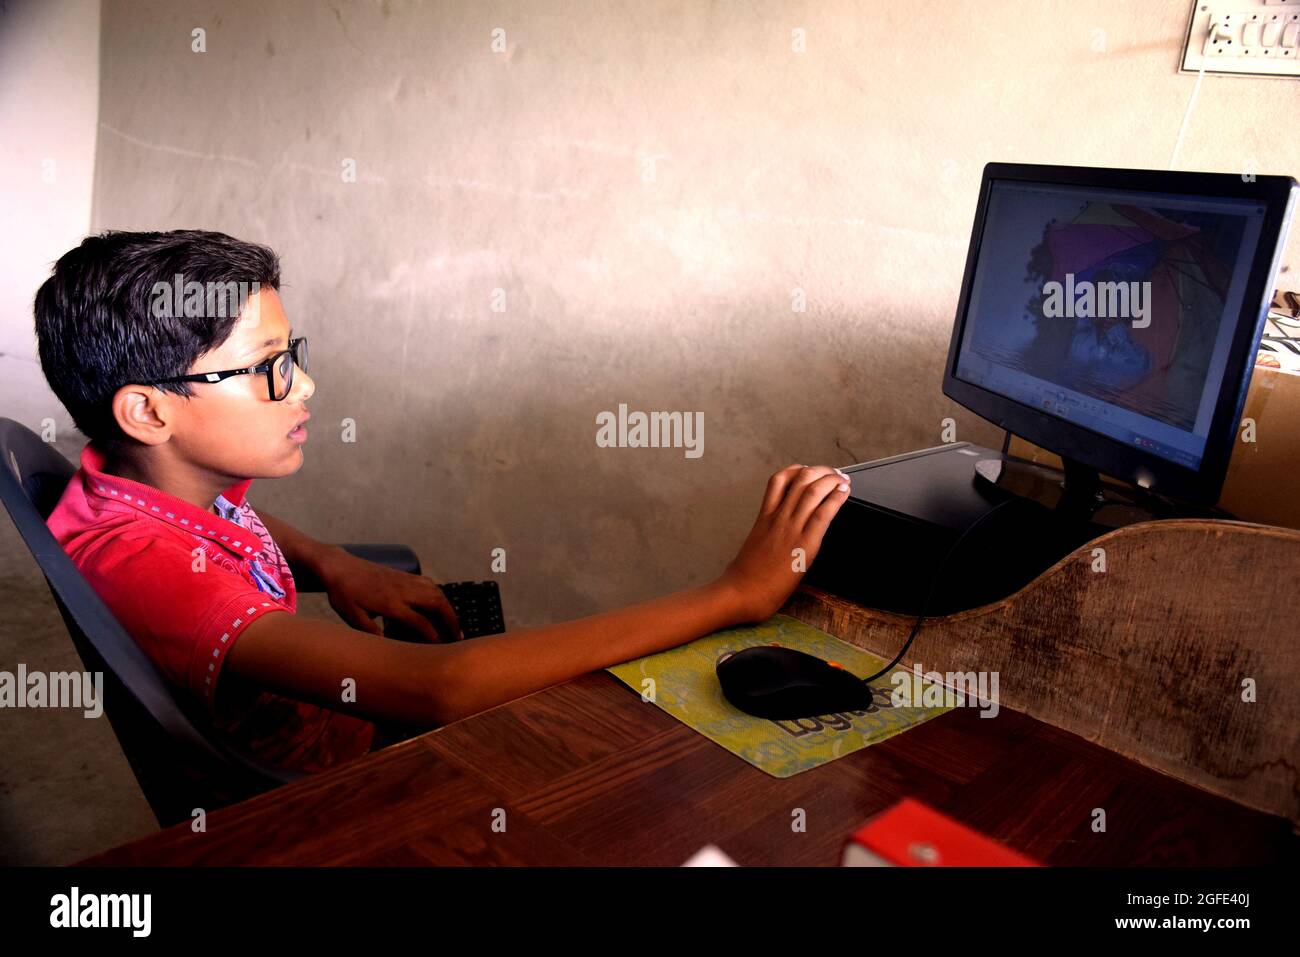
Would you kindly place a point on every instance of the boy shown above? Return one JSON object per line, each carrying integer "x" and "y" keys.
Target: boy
{"x": 174, "y": 357}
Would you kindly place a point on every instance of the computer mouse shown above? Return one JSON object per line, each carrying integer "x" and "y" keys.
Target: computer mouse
{"x": 782, "y": 684}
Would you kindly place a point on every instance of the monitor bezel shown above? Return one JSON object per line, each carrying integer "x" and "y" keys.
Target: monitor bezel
{"x": 1108, "y": 455}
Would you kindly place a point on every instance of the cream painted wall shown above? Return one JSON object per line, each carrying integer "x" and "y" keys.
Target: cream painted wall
{"x": 49, "y": 109}
{"x": 65, "y": 789}
{"x": 848, "y": 171}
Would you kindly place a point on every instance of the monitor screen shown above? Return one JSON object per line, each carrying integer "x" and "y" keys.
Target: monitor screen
{"x": 1112, "y": 309}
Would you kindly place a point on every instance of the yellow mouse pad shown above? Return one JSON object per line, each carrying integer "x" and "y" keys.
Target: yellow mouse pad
{"x": 685, "y": 684}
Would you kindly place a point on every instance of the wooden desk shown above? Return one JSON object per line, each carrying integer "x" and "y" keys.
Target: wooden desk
{"x": 589, "y": 774}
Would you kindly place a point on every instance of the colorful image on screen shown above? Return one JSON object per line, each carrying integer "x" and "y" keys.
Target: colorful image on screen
{"x": 1112, "y": 310}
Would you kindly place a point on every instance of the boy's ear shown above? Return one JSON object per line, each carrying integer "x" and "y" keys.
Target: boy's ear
{"x": 143, "y": 413}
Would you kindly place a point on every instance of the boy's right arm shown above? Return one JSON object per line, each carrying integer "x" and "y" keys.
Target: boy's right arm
{"x": 427, "y": 685}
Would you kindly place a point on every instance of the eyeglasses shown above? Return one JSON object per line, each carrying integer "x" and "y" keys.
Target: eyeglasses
{"x": 278, "y": 369}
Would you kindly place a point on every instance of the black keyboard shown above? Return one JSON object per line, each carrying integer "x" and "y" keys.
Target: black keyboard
{"x": 477, "y": 606}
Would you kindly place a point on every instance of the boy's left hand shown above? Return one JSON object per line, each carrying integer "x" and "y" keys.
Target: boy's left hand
{"x": 359, "y": 589}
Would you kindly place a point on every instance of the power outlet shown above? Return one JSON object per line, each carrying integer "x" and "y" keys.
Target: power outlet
{"x": 1245, "y": 37}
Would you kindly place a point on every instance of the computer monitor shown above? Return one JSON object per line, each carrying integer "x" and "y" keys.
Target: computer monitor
{"x": 1112, "y": 316}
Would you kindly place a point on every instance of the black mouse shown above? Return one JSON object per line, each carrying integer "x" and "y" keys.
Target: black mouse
{"x": 783, "y": 684}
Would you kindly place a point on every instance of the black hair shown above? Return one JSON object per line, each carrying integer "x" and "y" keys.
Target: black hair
{"x": 98, "y": 322}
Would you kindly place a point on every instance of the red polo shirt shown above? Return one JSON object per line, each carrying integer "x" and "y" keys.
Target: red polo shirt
{"x": 185, "y": 583}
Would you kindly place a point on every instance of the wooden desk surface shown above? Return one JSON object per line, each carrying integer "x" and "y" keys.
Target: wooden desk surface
{"x": 588, "y": 774}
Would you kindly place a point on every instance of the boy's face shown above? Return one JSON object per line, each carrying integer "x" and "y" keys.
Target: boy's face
{"x": 233, "y": 427}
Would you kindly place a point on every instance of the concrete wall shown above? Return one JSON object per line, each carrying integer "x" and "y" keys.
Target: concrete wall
{"x": 647, "y": 183}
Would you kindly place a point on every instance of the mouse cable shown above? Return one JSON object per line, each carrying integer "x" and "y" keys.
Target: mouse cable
{"x": 934, "y": 581}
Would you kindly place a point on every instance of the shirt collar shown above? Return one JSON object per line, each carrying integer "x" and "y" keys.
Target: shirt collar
{"x": 227, "y": 509}
{"x": 168, "y": 508}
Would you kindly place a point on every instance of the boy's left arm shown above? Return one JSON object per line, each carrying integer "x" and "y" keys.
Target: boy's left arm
{"x": 359, "y": 589}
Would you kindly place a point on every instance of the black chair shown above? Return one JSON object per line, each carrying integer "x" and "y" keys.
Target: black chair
{"x": 178, "y": 762}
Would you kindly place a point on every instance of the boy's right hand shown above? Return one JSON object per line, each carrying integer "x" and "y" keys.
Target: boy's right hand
{"x": 797, "y": 508}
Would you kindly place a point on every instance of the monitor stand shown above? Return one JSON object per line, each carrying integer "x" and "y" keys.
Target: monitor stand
{"x": 1077, "y": 493}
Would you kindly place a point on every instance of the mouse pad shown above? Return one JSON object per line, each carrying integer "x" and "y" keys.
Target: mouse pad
{"x": 685, "y": 684}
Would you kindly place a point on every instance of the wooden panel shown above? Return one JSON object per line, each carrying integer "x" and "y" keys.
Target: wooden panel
{"x": 1146, "y": 659}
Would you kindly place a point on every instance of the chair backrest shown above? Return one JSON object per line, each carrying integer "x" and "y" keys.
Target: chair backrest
{"x": 179, "y": 767}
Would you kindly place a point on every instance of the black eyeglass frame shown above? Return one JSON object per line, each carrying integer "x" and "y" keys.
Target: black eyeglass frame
{"x": 267, "y": 366}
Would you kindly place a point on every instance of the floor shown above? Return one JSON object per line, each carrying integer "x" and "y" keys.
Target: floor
{"x": 66, "y": 791}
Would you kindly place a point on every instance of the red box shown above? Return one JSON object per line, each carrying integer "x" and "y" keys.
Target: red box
{"x": 912, "y": 834}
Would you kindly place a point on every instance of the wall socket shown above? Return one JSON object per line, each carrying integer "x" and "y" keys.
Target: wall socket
{"x": 1248, "y": 37}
